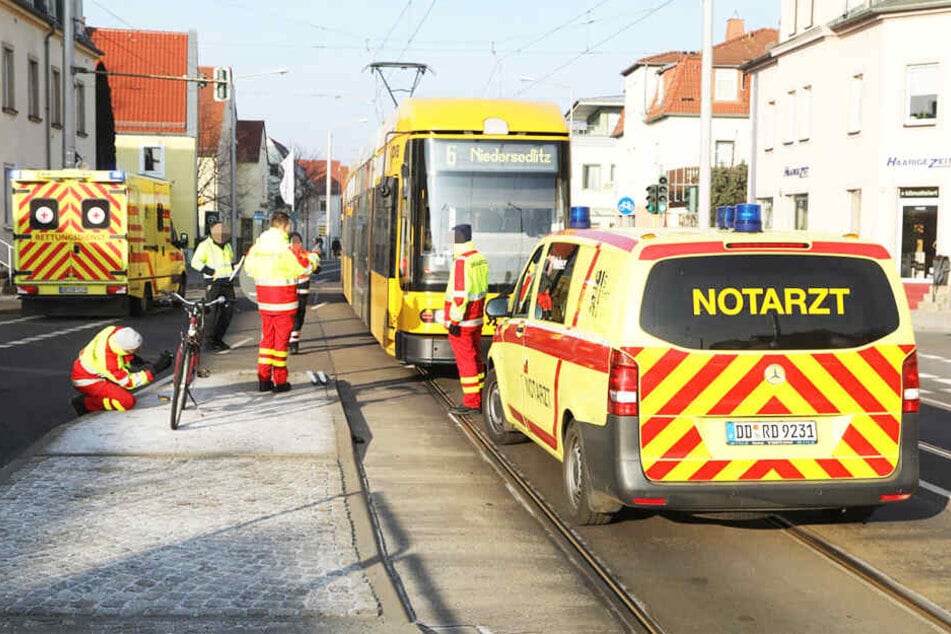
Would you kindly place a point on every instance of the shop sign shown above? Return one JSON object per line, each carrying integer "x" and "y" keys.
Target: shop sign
{"x": 924, "y": 162}
{"x": 802, "y": 171}
{"x": 917, "y": 192}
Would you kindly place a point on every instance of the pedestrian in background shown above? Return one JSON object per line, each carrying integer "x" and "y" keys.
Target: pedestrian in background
{"x": 463, "y": 315}
{"x": 108, "y": 368}
{"x": 335, "y": 248}
{"x": 312, "y": 261}
{"x": 214, "y": 257}
{"x": 275, "y": 270}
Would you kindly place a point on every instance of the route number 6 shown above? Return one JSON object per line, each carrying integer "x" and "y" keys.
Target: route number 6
{"x": 451, "y": 155}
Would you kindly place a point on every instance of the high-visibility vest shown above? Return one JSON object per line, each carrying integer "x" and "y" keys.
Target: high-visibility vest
{"x": 275, "y": 270}
{"x": 468, "y": 284}
{"x": 309, "y": 259}
{"x": 102, "y": 359}
{"x": 210, "y": 253}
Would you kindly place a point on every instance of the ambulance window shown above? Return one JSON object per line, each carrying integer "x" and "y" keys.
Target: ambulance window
{"x": 554, "y": 282}
{"x": 523, "y": 295}
{"x": 768, "y": 302}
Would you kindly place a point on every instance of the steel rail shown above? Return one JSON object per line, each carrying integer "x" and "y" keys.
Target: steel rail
{"x": 631, "y": 612}
{"x": 909, "y": 598}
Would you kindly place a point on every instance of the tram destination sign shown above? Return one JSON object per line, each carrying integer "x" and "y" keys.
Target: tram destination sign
{"x": 494, "y": 156}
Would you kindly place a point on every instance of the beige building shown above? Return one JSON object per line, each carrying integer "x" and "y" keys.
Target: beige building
{"x": 852, "y": 126}
{"x": 32, "y": 90}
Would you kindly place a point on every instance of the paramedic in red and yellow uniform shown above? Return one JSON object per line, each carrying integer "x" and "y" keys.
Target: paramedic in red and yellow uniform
{"x": 312, "y": 261}
{"x": 108, "y": 368}
{"x": 465, "y": 304}
{"x": 275, "y": 270}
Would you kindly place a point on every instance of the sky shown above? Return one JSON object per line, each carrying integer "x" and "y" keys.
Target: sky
{"x": 473, "y": 48}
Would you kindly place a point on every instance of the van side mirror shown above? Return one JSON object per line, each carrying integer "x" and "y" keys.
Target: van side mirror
{"x": 181, "y": 242}
{"x": 497, "y": 308}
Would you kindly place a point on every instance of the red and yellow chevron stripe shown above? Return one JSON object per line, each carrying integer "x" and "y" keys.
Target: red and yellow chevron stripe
{"x": 688, "y": 397}
{"x": 70, "y": 252}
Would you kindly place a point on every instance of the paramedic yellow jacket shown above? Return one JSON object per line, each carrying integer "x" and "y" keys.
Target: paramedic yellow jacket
{"x": 468, "y": 284}
{"x": 215, "y": 256}
{"x": 102, "y": 358}
{"x": 275, "y": 270}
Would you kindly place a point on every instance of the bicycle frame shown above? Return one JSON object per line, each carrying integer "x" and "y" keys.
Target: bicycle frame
{"x": 188, "y": 354}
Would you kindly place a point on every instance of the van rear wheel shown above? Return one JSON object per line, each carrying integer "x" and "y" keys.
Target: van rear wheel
{"x": 577, "y": 483}
{"x": 493, "y": 413}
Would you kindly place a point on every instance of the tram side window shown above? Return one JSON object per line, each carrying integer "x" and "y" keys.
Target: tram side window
{"x": 554, "y": 282}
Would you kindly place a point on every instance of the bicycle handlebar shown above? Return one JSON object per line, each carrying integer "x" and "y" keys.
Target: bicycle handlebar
{"x": 201, "y": 302}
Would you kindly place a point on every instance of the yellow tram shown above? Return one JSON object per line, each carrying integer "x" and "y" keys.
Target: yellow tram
{"x": 501, "y": 166}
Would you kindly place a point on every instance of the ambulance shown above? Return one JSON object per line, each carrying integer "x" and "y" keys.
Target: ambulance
{"x": 93, "y": 242}
{"x": 714, "y": 370}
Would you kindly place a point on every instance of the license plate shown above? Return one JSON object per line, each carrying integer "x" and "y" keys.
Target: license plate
{"x": 771, "y": 433}
{"x": 72, "y": 290}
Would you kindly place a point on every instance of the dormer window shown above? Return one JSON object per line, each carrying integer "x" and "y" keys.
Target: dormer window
{"x": 726, "y": 84}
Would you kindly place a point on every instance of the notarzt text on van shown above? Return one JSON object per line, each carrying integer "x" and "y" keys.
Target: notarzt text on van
{"x": 762, "y": 301}
{"x": 538, "y": 391}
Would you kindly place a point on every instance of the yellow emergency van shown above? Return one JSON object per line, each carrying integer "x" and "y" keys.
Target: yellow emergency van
{"x": 710, "y": 370}
{"x": 93, "y": 242}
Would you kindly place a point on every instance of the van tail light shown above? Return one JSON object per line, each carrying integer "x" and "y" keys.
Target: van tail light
{"x": 116, "y": 290}
{"x": 28, "y": 290}
{"x": 910, "y": 396}
{"x": 622, "y": 384}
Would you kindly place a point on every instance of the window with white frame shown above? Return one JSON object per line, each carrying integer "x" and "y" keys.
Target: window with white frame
{"x": 152, "y": 160}
{"x": 855, "y": 104}
{"x": 56, "y": 98}
{"x": 590, "y": 177}
{"x": 855, "y": 210}
{"x": 801, "y": 205}
{"x": 33, "y": 89}
{"x": 725, "y": 85}
{"x": 8, "y": 78}
{"x": 613, "y": 173}
{"x": 805, "y": 13}
{"x": 922, "y": 94}
{"x": 769, "y": 126}
{"x": 804, "y": 112}
{"x": 790, "y": 133}
{"x": 659, "y": 81}
{"x": 81, "y": 109}
{"x": 724, "y": 154}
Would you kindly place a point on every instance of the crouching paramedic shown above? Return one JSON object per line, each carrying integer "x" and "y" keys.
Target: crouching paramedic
{"x": 108, "y": 368}
{"x": 465, "y": 304}
{"x": 275, "y": 270}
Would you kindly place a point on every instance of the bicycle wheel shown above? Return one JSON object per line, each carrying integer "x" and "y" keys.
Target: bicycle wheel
{"x": 180, "y": 381}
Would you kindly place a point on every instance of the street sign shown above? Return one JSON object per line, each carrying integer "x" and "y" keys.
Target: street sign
{"x": 625, "y": 206}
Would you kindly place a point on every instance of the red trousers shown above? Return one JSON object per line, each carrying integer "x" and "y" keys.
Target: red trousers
{"x": 467, "y": 348}
{"x": 272, "y": 351}
{"x": 106, "y": 395}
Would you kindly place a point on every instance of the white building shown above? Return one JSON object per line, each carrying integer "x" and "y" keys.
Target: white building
{"x": 32, "y": 87}
{"x": 852, "y": 131}
{"x": 661, "y": 134}
{"x": 594, "y": 158}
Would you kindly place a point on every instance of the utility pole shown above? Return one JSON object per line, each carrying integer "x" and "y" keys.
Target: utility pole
{"x": 330, "y": 151}
{"x": 69, "y": 99}
{"x": 706, "y": 115}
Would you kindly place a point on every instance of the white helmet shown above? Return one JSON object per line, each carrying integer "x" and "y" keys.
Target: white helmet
{"x": 128, "y": 339}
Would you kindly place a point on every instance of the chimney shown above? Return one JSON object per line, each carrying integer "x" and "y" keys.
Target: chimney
{"x": 734, "y": 28}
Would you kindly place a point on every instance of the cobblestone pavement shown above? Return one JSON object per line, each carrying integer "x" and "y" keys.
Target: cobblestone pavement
{"x": 98, "y": 531}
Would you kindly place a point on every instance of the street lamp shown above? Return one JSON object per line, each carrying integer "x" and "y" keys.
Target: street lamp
{"x": 571, "y": 97}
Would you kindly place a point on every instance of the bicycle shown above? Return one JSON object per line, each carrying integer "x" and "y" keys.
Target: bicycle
{"x": 188, "y": 355}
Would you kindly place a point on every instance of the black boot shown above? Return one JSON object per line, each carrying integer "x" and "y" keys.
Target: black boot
{"x": 265, "y": 386}
{"x": 79, "y": 404}
{"x": 293, "y": 347}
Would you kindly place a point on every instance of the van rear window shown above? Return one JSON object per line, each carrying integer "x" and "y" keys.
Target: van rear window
{"x": 776, "y": 302}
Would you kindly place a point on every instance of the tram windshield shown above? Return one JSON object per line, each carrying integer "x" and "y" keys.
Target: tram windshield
{"x": 510, "y": 192}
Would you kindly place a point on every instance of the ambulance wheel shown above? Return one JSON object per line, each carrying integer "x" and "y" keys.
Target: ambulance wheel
{"x": 183, "y": 284}
{"x": 577, "y": 484}
{"x": 493, "y": 414}
{"x": 138, "y": 306}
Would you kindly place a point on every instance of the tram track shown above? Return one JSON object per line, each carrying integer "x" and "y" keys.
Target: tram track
{"x": 626, "y": 607}
{"x": 631, "y": 612}
{"x": 870, "y": 575}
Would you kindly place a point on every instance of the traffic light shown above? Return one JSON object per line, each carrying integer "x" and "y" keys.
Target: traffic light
{"x": 663, "y": 192}
{"x": 222, "y": 83}
{"x": 652, "y": 199}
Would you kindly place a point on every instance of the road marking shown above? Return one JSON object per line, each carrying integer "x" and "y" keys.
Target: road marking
{"x": 19, "y": 319}
{"x": 931, "y": 401}
{"x": 934, "y": 489}
{"x": 238, "y": 344}
{"x": 948, "y": 381}
{"x": 55, "y": 333}
{"x": 935, "y": 357}
{"x": 938, "y": 451}
{"x": 925, "y": 375}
